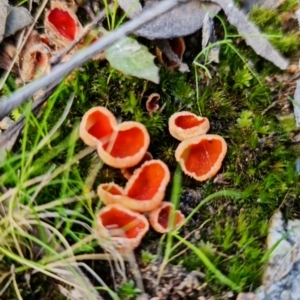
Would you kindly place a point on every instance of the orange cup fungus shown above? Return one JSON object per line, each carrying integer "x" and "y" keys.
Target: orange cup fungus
{"x": 127, "y": 172}
{"x": 61, "y": 24}
{"x": 145, "y": 189}
{"x": 118, "y": 145}
{"x": 110, "y": 193}
{"x": 184, "y": 125}
{"x": 126, "y": 146}
{"x": 159, "y": 218}
{"x": 123, "y": 227}
{"x": 97, "y": 125}
{"x": 201, "y": 157}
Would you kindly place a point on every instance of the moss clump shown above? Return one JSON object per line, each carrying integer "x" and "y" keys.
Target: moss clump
{"x": 278, "y": 25}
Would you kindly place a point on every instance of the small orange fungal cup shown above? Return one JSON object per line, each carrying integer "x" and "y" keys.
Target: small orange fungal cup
{"x": 123, "y": 227}
{"x": 201, "y": 157}
{"x": 159, "y": 218}
{"x": 146, "y": 188}
{"x": 126, "y": 147}
{"x": 119, "y": 145}
{"x": 97, "y": 126}
{"x": 61, "y": 24}
{"x": 110, "y": 193}
{"x": 34, "y": 60}
{"x": 184, "y": 125}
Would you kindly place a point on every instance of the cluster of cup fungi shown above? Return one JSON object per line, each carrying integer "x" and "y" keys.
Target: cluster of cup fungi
{"x": 124, "y": 146}
{"x": 62, "y": 28}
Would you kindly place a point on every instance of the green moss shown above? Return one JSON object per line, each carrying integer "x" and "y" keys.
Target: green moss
{"x": 269, "y": 21}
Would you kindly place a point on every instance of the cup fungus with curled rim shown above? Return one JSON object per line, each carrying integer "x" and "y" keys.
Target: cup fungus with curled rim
{"x": 34, "y": 58}
{"x": 151, "y": 103}
{"x": 61, "y": 24}
{"x": 201, "y": 157}
{"x": 110, "y": 193}
{"x": 146, "y": 188}
{"x": 159, "y": 218}
{"x": 123, "y": 227}
{"x": 126, "y": 146}
{"x": 184, "y": 125}
{"x": 97, "y": 125}
{"x": 127, "y": 172}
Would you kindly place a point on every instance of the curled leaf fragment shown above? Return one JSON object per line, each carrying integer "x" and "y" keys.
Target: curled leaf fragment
{"x": 183, "y": 20}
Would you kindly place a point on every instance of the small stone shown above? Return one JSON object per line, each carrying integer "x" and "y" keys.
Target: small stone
{"x": 292, "y": 69}
{"x": 246, "y": 296}
{"x": 6, "y": 123}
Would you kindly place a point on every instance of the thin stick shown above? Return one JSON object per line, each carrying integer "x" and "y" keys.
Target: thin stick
{"x": 60, "y": 71}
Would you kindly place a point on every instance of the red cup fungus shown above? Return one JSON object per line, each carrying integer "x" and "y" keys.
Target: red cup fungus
{"x": 61, "y": 24}
{"x": 110, "y": 193}
{"x": 118, "y": 145}
{"x": 123, "y": 227}
{"x": 127, "y": 172}
{"x": 145, "y": 189}
{"x": 97, "y": 125}
{"x": 126, "y": 146}
{"x": 201, "y": 157}
{"x": 184, "y": 125}
{"x": 160, "y": 217}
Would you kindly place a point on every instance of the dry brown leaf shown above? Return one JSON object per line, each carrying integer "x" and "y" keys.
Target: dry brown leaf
{"x": 132, "y": 7}
{"x": 180, "y": 21}
{"x": 17, "y": 18}
{"x": 251, "y": 34}
{"x": 4, "y": 9}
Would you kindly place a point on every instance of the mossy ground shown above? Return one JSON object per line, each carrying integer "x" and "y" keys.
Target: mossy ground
{"x": 260, "y": 162}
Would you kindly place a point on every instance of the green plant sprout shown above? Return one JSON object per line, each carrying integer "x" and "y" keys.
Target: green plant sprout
{"x": 128, "y": 291}
{"x": 25, "y": 220}
{"x": 229, "y": 43}
{"x": 147, "y": 257}
{"x": 176, "y": 190}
